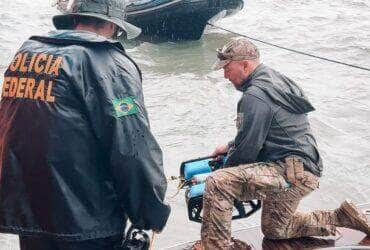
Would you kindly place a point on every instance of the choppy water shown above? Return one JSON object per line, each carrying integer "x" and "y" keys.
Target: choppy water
{"x": 192, "y": 109}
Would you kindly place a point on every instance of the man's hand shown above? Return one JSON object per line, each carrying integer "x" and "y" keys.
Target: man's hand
{"x": 294, "y": 170}
{"x": 220, "y": 150}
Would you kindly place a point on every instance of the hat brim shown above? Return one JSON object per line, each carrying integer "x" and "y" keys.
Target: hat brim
{"x": 219, "y": 64}
{"x": 65, "y": 21}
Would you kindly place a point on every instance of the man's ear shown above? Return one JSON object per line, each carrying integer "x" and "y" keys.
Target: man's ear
{"x": 245, "y": 65}
{"x": 112, "y": 26}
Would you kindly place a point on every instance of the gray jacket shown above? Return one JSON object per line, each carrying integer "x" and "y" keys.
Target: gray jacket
{"x": 272, "y": 122}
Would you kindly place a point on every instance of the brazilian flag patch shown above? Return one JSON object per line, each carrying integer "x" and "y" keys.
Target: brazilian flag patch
{"x": 125, "y": 106}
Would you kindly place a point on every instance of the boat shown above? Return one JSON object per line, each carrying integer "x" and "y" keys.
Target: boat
{"x": 346, "y": 239}
{"x": 177, "y": 19}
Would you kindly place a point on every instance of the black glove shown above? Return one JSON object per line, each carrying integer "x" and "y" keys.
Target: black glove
{"x": 135, "y": 239}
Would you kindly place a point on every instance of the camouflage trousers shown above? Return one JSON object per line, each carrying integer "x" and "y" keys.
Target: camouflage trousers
{"x": 266, "y": 182}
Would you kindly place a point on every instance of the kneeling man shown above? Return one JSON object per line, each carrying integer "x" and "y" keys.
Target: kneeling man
{"x": 274, "y": 157}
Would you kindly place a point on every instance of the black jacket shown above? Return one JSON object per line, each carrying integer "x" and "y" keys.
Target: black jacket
{"x": 272, "y": 122}
{"x": 76, "y": 153}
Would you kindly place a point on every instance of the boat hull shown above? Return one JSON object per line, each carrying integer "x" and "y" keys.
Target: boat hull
{"x": 179, "y": 19}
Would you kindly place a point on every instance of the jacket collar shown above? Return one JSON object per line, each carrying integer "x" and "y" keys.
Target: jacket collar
{"x": 76, "y": 37}
{"x": 79, "y": 35}
{"x": 248, "y": 82}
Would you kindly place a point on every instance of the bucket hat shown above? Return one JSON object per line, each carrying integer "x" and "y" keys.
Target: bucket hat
{"x": 109, "y": 10}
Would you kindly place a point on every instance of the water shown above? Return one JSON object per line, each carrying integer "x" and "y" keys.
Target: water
{"x": 192, "y": 109}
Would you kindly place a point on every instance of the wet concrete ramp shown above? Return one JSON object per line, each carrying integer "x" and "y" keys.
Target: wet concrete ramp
{"x": 345, "y": 239}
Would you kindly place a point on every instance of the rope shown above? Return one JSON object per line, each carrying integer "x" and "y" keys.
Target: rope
{"x": 180, "y": 186}
{"x": 291, "y": 50}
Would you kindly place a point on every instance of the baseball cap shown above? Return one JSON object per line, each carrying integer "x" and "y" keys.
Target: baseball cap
{"x": 237, "y": 49}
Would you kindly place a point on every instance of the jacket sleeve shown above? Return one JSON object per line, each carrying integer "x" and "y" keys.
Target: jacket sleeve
{"x": 127, "y": 145}
{"x": 137, "y": 168}
{"x": 254, "y": 118}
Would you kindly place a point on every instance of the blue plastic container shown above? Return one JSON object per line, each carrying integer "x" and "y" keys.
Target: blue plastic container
{"x": 199, "y": 178}
{"x": 196, "y": 190}
{"x": 196, "y": 167}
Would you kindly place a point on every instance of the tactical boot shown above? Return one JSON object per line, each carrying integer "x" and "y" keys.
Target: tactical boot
{"x": 349, "y": 216}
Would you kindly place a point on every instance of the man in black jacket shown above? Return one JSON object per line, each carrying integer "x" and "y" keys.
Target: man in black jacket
{"x": 77, "y": 157}
{"x": 274, "y": 157}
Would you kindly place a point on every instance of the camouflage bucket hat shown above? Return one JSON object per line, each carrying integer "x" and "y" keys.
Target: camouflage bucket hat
{"x": 238, "y": 49}
{"x": 109, "y": 10}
